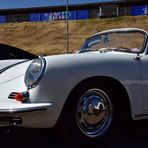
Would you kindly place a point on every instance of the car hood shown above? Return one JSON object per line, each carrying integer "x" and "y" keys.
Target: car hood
{"x": 88, "y": 58}
{"x": 11, "y": 69}
{"x": 60, "y": 61}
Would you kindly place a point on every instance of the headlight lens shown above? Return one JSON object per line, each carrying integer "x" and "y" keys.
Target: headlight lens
{"x": 35, "y": 72}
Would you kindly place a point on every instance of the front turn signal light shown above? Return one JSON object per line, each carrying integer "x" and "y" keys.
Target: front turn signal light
{"x": 19, "y": 97}
{"x": 22, "y": 96}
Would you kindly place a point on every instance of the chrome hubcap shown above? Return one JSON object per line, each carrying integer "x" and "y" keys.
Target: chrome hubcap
{"x": 94, "y": 113}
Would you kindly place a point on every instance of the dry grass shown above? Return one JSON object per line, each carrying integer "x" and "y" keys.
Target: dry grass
{"x": 48, "y": 38}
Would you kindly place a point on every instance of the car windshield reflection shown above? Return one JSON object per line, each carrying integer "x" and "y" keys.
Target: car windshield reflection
{"x": 115, "y": 41}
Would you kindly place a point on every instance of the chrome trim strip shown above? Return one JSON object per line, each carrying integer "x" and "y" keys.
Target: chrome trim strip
{"x": 24, "y": 110}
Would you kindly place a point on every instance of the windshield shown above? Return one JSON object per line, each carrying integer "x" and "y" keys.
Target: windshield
{"x": 115, "y": 41}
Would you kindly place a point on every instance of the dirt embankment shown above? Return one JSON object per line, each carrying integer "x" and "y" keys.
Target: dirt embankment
{"x": 48, "y": 38}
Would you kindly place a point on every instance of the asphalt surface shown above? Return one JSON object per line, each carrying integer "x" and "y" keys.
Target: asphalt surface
{"x": 134, "y": 136}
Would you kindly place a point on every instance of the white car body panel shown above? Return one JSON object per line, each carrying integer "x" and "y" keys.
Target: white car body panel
{"x": 5, "y": 63}
{"x": 63, "y": 73}
{"x": 74, "y": 74}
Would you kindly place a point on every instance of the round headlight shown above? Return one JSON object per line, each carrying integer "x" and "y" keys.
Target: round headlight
{"x": 35, "y": 72}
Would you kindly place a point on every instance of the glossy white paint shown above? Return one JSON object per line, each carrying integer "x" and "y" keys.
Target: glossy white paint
{"x": 122, "y": 67}
{"x": 5, "y": 63}
{"x": 64, "y": 72}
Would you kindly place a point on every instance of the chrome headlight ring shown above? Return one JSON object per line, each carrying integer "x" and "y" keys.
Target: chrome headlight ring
{"x": 35, "y": 72}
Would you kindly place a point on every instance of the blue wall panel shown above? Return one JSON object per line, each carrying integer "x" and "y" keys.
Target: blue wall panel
{"x": 44, "y": 16}
{"x": 2, "y": 19}
{"x": 53, "y": 16}
{"x": 140, "y": 10}
{"x": 79, "y": 14}
{"x": 72, "y": 15}
{"x": 83, "y": 14}
{"x": 34, "y": 17}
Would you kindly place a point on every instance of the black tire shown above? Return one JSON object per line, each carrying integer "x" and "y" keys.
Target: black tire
{"x": 104, "y": 122}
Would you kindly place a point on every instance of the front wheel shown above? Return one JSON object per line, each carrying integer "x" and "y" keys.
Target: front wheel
{"x": 92, "y": 113}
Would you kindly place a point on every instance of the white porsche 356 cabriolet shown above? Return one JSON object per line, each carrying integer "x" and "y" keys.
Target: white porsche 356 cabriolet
{"x": 86, "y": 95}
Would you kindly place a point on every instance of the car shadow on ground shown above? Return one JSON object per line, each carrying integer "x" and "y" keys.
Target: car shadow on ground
{"x": 133, "y": 136}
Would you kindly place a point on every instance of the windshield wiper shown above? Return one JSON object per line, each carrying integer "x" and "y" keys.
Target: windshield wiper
{"x": 102, "y": 50}
{"x": 87, "y": 50}
{"x": 123, "y": 49}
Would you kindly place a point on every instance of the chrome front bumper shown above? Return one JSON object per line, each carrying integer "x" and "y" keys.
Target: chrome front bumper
{"x": 12, "y": 114}
{"x": 11, "y": 108}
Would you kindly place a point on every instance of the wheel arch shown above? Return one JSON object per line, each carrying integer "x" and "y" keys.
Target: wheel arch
{"x": 106, "y": 81}
{"x": 112, "y": 83}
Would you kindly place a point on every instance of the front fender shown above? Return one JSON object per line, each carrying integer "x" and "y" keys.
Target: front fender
{"x": 64, "y": 72}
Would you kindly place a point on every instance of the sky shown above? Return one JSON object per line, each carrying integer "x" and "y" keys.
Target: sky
{"x": 13, "y": 4}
